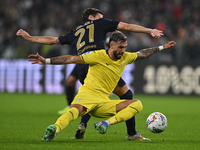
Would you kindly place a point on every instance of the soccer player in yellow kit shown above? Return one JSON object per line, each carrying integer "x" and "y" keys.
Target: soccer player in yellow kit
{"x": 90, "y": 36}
{"x": 105, "y": 70}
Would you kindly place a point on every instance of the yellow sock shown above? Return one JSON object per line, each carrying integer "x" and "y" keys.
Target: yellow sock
{"x": 127, "y": 113}
{"x": 63, "y": 121}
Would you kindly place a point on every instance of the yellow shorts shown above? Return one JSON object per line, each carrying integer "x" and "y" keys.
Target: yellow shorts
{"x": 96, "y": 104}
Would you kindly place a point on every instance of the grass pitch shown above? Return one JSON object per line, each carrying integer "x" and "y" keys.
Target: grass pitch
{"x": 24, "y": 118}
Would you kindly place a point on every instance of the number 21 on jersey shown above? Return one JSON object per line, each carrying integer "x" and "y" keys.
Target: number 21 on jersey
{"x": 81, "y": 33}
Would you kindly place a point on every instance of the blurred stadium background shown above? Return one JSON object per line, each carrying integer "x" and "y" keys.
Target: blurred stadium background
{"x": 175, "y": 71}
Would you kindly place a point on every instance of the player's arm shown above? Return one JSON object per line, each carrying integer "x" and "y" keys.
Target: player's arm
{"x": 38, "y": 39}
{"x": 139, "y": 29}
{"x": 65, "y": 59}
{"x": 144, "y": 53}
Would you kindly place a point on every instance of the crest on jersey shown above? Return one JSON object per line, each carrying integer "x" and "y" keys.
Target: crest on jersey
{"x": 87, "y": 53}
{"x": 123, "y": 64}
{"x": 79, "y": 99}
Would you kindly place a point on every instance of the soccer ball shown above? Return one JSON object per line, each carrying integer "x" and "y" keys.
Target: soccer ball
{"x": 156, "y": 122}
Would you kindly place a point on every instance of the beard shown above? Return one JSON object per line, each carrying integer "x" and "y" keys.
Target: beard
{"x": 117, "y": 55}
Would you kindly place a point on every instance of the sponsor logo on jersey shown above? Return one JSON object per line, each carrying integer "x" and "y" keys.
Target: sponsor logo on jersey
{"x": 87, "y": 53}
{"x": 86, "y": 48}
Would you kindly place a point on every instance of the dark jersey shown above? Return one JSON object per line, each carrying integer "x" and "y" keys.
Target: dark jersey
{"x": 89, "y": 36}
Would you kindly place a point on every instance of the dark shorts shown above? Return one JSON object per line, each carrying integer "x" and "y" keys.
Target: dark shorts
{"x": 80, "y": 72}
{"x": 121, "y": 82}
{"x": 74, "y": 73}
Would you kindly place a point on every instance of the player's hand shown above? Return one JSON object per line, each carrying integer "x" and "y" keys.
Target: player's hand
{"x": 23, "y": 33}
{"x": 156, "y": 33}
{"x": 37, "y": 59}
{"x": 169, "y": 44}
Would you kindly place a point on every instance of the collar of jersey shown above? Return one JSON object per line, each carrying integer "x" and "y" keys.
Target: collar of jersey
{"x": 109, "y": 56}
{"x": 91, "y": 20}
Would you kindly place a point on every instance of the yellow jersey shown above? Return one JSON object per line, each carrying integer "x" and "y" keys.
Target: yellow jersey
{"x": 104, "y": 73}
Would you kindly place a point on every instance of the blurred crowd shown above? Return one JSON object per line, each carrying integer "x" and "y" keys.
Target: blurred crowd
{"x": 179, "y": 20}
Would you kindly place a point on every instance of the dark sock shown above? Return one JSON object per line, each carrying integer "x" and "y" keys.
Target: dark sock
{"x": 130, "y": 124}
{"x": 69, "y": 92}
{"x": 85, "y": 118}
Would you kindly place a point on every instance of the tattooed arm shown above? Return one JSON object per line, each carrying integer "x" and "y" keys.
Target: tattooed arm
{"x": 66, "y": 59}
{"x": 144, "y": 53}
{"x": 38, "y": 39}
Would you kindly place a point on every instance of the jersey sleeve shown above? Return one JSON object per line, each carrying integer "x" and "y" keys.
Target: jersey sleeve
{"x": 89, "y": 57}
{"x": 66, "y": 38}
{"x": 131, "y": 57}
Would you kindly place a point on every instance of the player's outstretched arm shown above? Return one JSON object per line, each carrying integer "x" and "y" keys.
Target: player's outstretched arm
{"x": 139, "y": 29}
{"x": 38, "y": 39}
{"x": 144, "y": 53}
{"x": 65, "y": 59}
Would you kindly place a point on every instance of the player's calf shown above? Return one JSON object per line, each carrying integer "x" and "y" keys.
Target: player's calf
{"x": 126, "y": 112}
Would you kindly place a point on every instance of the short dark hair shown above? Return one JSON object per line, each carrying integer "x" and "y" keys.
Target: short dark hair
{"x": 90, "y": 11}
{"x": 117, "y": 36}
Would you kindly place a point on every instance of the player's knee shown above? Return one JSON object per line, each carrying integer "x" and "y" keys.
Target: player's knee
{"x": 70, "y": 84}
{"x": 128, "y": 95}
{"x": 81, "y": 109}
{"x": 71, "y": 81}
{"x": 137, "y": 105}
